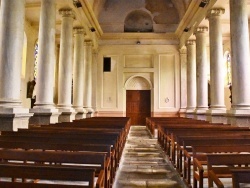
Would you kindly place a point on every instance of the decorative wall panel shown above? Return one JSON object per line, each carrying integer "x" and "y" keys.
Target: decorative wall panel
{"x": 167, "y": 81}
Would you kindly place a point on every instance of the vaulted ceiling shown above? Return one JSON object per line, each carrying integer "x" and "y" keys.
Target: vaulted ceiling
{"x": 126, "y": 21}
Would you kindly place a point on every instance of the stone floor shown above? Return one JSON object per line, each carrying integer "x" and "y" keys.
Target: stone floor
{"x": 144, "y": 164}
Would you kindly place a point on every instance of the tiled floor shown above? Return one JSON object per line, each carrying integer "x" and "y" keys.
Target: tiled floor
{"x": 144, "y": 164}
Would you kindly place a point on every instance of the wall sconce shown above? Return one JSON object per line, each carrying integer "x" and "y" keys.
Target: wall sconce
{"x": 204, "y": 3}
{"x": 77, "y": 3}
{"x": 167, "y": 100}
{"x": 92, "y": 29}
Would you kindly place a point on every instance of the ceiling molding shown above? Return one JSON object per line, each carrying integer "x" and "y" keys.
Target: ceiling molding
{"x": 152, "y": 36}
{"x": 89, "y": 13}
{"x": 191, "y": 22}
{"x": 33, "y": 5}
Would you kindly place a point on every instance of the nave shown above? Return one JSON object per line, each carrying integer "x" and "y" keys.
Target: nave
{"x": 144, "y": 164}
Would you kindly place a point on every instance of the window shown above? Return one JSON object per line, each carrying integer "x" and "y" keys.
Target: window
{"x": 106, "y": 64}
{"x": 229, "y": 69}
{"x": 36, "y": 60}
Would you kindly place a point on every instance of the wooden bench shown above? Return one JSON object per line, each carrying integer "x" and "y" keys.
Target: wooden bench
{"x": 184, "y": 145}
{"x": 53, "y": 173}
{"x": 218, "y": 166}
{"x": 62, "y": 141}
{"x": 97, "y": 160}
{"x": 200, "y": 159}
{"x": 240, "y": 175}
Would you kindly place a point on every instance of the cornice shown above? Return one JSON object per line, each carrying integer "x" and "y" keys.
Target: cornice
{"x": 138, "y": 36}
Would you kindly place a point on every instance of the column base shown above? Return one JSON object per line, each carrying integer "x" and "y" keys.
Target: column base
{"x": 239, "y": 117}
{"x": 200, "y": 113}
{"x": 44, "y": 116}
{"x": 90, "y": 112}
{"x": 81, "y": 113}
{"x": 190, "y": 113}
{"x": 182, "y": 112}
{"x": 11, "y": 119}
{"x": 216, "y": 116}
{"x": 67, "y": 114}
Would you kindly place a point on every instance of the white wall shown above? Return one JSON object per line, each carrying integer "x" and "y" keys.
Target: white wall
{"x": 157, "y": 63}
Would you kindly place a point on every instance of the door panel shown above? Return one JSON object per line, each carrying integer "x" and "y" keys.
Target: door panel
{"x": 138, "y": 106}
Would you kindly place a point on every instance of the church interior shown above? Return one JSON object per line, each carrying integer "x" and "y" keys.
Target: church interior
{"x": 156, "y": 93}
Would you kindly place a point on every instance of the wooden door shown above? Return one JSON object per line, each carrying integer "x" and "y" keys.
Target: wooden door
{"x": 138, "y": 106}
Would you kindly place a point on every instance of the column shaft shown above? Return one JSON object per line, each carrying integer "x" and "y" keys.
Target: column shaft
{"x": 11, "y": 48}
{"x": 46, "y": 55}
{"x": 87, "y": 100}
{"x": 191, "y": 75}
{"x": 183, "y": 72}
{"x": 65, "y": 59}
{"x": 78, "y": 69}
{"x": 240, "y": 54}
{"x": 201, "y": 64}
{"x": 216, "y": 60}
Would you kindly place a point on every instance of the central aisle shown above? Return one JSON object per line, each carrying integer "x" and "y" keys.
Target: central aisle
{"x": 144, "y": 164}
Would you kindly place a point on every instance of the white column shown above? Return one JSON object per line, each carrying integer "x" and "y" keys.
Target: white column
{"x": 46, "y": 55}
{"x": 191, "y": 76}
{"x": 201, "y": 67}
{"x": 65, "y": 66}
{"x": 183, "y": 73}
{"x": 12, "y": 115}
{"x": 78, "y": 73}
{"x": 87, "y": 96}
{"x": 11, "y": 48}
{"x": 240, "y": 56}
{"x": 216, "y": 62}
{"x": 45, "y": 111}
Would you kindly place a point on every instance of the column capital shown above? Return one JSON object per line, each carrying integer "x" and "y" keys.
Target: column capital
{"x": 215, "y": 12}
{"x": 79, "y": 30}
{"x": 190, "y": 42}
{"x": 67, "y": 13}
{"x": 201, "y": 30}
{"x": 183, "y": 50}
{"x": 88, "y": 43}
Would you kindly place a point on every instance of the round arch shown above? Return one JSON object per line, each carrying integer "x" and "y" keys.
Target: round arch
{"x": 138, "y": 82}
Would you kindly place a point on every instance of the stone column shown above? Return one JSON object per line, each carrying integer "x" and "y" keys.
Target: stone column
{"x": 183, "y": 73}
{"x": 65, "y": 67}
{"x": 201, "y": 67}
{"x": 78, "y": 73}
{"x": 44, "y": 110}
{"x": 87, "y": 96}
{"x": 12, "y": 115}
{"x": 191, "y": 78}
{"x": 217, "y": 107}
{"x": 240, "y": 61}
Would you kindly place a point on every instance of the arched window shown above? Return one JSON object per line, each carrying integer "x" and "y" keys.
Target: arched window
{"x": 228, "y": 68}
{"x": 36, "y": 60}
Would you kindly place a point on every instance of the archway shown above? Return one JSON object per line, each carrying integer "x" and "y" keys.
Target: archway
{"x": 138, "y": 99}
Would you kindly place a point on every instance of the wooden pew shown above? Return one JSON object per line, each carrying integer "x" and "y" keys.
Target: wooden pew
{"x": 61, "y": 141}
{"x": 240, "y": 175}
{"x": 96, "y": 160}
{"x": 153, "y": 124}
{"x": 184, "y": 144}
{"x": 219, "y": 165}
{"x": 54, "y": 173}
{"x": 197, "y": 131}
{"x": 199, "y": 157}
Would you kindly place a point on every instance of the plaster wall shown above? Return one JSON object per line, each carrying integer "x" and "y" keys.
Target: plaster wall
{"x": 158, "y": 64}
